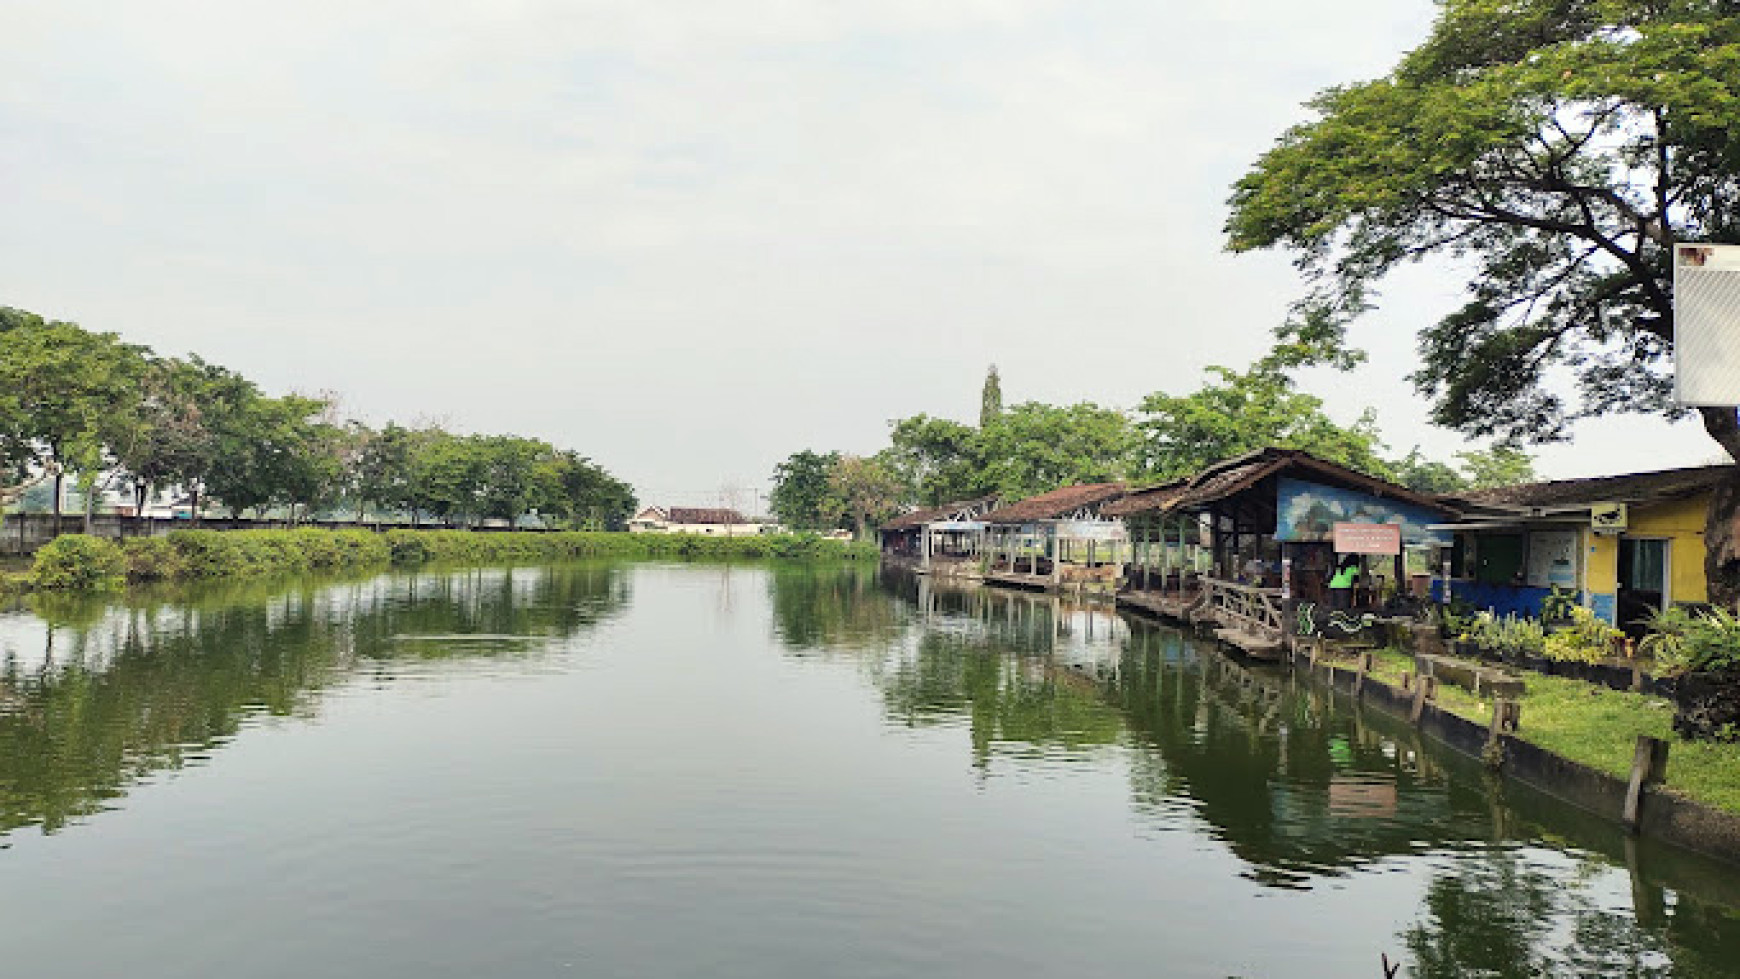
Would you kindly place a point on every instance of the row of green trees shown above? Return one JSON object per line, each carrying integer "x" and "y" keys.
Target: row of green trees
{"x": 90, "y": 407}
{"x": 1031, "y": 447}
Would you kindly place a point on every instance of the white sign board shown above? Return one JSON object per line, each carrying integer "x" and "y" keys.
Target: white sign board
{"x": 1553, "y": 558}
{"x": 1707, "y": 324}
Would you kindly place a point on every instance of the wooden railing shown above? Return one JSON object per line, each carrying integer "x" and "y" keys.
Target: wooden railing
{"x": 1244, "y": 607}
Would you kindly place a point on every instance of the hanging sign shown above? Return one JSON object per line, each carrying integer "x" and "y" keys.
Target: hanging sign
{"x": 1608, "y": 518}
{"x": 1368, "y": 538}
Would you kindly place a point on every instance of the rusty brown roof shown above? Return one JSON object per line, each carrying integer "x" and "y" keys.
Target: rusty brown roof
{"x": 1230, "y": 477}
{"x": 1647, "y": 487}
{"x": 1058, "y": 502}
{"x": 699, "y": 515}
{"x": 920, "y": 517}
{"x": 1147, "y": 499}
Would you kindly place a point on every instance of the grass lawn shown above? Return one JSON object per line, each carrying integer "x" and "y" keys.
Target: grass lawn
{"x": 1597, "y": 727}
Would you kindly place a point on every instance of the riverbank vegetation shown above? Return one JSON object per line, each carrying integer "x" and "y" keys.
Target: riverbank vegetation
{"x": 1031, "y": 448}
{"x": 76, "y": 562}
{"x": 1597, "y": 727}
{"x": 113, "y": 416}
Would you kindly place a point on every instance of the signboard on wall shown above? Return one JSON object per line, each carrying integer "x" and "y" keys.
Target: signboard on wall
{"x": 1368, "y": 538}
{"x": 1707, "y": 324}
{"x": 1308, "y": 512}
{"x": 1608, "y": 518}
{"x": 1552, "y": 558}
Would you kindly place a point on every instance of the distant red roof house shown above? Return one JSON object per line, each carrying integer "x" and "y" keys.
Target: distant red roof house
{"x": 691, "y": 520}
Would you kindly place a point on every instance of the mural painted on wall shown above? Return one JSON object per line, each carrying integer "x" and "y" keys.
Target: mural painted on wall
{"x": 1312, "y": 619}
{"x": 1308, "y": 512}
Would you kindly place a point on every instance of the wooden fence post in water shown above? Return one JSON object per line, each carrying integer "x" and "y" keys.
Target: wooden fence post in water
{"x": 1365, "y": 664}
{"x": 1506, "y": 718}
{"x": 1427, "y": 689}
{"x": 1648, "y": 767}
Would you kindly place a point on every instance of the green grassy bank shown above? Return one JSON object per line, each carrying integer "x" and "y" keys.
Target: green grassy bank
{"x": 78, "y": 562}
{"x": 1597, "y": 727}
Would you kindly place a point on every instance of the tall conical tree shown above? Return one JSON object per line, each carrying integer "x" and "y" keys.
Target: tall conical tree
{"x": 991, "y": 399}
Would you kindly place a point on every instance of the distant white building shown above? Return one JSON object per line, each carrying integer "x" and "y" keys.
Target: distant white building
{"x": 693, "y": 520}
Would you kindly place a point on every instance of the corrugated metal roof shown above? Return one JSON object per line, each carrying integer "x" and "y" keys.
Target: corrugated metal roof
{"x": 1057, "y": 503}
{"x": 1646, "y": 487}
{"x": 918, "y": 518}
{"x": 1230, "y": 477}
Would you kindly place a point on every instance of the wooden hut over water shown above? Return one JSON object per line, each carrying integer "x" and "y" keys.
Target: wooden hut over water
{"x": 945, "y": 540}
{"x": 1055, "y": 540}
{"x": 1249, "y": 542}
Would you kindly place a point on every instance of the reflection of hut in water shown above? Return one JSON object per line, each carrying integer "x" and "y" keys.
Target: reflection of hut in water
{"x": 1010, "y": 620}
{"x": 1295, "y": 785}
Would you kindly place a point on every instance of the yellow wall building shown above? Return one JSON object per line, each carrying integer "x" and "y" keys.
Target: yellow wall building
{"x": 1625, "y": 544}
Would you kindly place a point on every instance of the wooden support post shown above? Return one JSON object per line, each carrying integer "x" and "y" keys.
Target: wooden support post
{"x": 1426, "y": 690}
{"x": 1506, "y": 718}
{"x": 1648, "y": 768}
{"x": 1365, "y": 664}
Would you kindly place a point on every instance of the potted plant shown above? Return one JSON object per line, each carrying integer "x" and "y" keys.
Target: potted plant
{"x": 1701, "y": 652}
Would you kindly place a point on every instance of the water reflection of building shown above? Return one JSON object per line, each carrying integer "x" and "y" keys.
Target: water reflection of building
{"x": 1301, "y": 784}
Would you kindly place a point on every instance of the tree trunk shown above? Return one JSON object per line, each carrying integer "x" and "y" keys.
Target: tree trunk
{"x": 58, "y": 476}
{"x": 1722, "y": 522}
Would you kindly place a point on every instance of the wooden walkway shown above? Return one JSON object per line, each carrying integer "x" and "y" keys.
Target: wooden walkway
{"x": 1173, "y": 605}
{"x": 1021, "y": 579}
{"x": 1240, "y": 615}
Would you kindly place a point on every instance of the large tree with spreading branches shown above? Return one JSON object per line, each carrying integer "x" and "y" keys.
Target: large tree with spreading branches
{"x": 1557, "y": 149}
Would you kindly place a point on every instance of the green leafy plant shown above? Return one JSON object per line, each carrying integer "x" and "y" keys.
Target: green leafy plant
{"x": 1521, "y": 636}
{"x": 1559, "y": 605}
{"x": 79, "y": 562}
{"x": 1586, "y": 640}
{"x": 1681, "y": 641}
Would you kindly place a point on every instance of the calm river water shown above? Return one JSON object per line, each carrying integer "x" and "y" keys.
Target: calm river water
{"x": 660, "y": 770}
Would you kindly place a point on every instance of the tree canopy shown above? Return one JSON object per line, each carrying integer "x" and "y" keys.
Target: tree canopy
{"x": 74, "y": 401}
{"x": 803, "y": 496}
{"x": 990, "y": 397}
{"x": 1557, "y": 148}
{"x": 1238, "y": 412}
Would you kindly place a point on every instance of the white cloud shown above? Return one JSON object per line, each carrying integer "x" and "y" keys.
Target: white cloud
{"x": 684, "y": 237}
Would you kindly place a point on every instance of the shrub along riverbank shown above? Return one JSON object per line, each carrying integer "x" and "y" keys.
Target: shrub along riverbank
{"x": 78, "y": 562}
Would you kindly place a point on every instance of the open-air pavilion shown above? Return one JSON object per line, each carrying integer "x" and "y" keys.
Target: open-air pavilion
{"x": 1247, "y": 543}
{"x": 945, "y": 540}
{"x": 1056, "y": 540}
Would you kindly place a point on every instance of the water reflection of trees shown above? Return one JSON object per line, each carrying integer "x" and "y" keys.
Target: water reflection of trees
{"x": 1019, "y": 702}
{"x": 1301, "y": 783}
{"x": 1507, "y": 911}
{"x": 947, "y": 654}
{"x": 96, "y": 696}
{"x": 1296, "y": 784}
{"x": 833, "y": 608}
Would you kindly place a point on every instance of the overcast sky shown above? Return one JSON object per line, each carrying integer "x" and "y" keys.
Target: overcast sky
{"x": 688, "y": 237}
